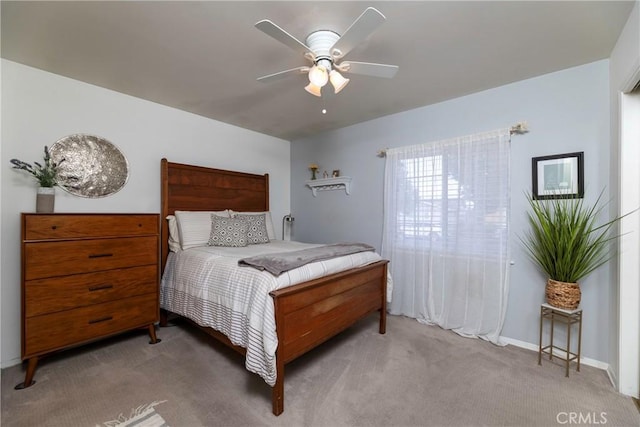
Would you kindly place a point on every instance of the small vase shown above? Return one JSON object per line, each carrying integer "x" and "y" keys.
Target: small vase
{"x": 45, "y": 199}
{"x": 313, "y": 173}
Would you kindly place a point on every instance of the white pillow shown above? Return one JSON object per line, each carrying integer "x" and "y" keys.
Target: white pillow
{"x": 267, "y": 219}
{"x": 195, "y": 227}
{"x": 174, "y": 234}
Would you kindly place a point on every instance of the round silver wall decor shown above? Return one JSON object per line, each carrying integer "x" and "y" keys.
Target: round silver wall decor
{"x": 93, "y": 167}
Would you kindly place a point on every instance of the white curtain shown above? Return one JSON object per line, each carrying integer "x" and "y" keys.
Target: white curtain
{"x": 446, "y": 232}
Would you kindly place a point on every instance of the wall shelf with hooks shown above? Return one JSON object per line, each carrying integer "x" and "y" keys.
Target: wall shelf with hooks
{"x": 339, "y": 183}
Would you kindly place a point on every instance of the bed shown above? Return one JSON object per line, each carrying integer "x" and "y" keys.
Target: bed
{"x": 304, "y": 314}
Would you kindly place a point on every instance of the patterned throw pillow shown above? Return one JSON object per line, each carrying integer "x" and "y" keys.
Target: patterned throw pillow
{"x": 228, "y": 232}
{"x": 257, "y": 232}
{"x": 267, "y": 215}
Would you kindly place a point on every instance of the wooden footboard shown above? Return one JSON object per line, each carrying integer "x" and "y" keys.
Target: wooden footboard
{"x": 310, "y": 313}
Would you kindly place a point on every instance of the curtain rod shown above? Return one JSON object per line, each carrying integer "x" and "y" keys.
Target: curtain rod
{"x": 519, "y": 128}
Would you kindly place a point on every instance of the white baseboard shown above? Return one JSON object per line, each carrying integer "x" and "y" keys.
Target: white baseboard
{"x": 11, "y": 362}
{"x": 583, "y": 360}
{"x": 612, "y": 377}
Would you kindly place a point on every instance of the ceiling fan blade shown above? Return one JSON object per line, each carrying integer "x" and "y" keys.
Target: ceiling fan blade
{"x": 358, "y": 31}
{"x": 369, "y": 69}
{"x": 282, "y": 74}
{"x": 271, "y": 29}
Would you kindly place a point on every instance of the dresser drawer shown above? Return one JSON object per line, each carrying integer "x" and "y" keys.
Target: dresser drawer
{"x": 63, "y": 293}
{"x": 52, "y": 259}
{"x": 54, "y": 331}
{"x": 73, "y": 226}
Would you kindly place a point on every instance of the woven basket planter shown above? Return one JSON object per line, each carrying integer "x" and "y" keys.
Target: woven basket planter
{"x": 562, "y": 294}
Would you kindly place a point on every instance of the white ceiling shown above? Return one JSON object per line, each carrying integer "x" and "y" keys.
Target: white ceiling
{"x": 204, "y": 57}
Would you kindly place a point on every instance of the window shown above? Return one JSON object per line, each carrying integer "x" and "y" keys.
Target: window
{"x": 450, "y": 205}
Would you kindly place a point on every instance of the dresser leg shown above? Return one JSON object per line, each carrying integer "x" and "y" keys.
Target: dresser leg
{"x": 152, "y": 335}
{"x": 31, "y": 370}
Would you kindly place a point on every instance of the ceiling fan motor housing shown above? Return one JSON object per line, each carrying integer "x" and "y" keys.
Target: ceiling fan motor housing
{"x": 321, "y": 42}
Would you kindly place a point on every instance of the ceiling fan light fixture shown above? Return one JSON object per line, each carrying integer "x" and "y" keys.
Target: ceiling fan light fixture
{"x": 318, "y": 76}
{"x": 337, "y": 80}
{"x": 325, "y": 47}
{"x": 313, "y": 89}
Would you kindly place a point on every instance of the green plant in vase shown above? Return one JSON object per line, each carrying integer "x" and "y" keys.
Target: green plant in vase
{"x": 566, "y": 242}
{"x": 46, "y": 174}
{"x": 314, "y": 169}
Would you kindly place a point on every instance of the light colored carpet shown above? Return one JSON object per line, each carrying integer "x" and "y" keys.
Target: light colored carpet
{"x": 415, "y": 375}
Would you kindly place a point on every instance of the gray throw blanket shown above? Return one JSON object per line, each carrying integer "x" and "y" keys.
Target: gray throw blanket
{"x": 278, "y": 263}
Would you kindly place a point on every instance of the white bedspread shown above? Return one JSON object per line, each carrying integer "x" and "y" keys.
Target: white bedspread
{"x": 206, "y": 285}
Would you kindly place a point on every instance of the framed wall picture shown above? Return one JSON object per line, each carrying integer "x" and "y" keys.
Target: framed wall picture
{"x": 560, "y": 176}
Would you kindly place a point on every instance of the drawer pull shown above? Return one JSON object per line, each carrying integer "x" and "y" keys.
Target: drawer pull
{"x": 101, "y": 319}
{"x": 100, "y": 255}
{"x": 100, "y": 287}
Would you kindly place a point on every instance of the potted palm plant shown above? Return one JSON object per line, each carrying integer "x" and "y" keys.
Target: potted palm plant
{"x": 567, "y": 244}
{"x": 47, "y": 176}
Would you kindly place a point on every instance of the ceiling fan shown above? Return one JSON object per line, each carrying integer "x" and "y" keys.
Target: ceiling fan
{"x": 324, "y": 48}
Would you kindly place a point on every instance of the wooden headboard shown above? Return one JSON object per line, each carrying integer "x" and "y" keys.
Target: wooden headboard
{"x": 197, "y": 188}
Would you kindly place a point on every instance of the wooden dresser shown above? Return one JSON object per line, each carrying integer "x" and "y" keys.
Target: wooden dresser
{"x": 85, "y": 277}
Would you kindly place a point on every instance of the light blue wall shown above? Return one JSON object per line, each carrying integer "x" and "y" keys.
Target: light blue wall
{"x": 39, "y": 108}
{"x": 566, "y": 111}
